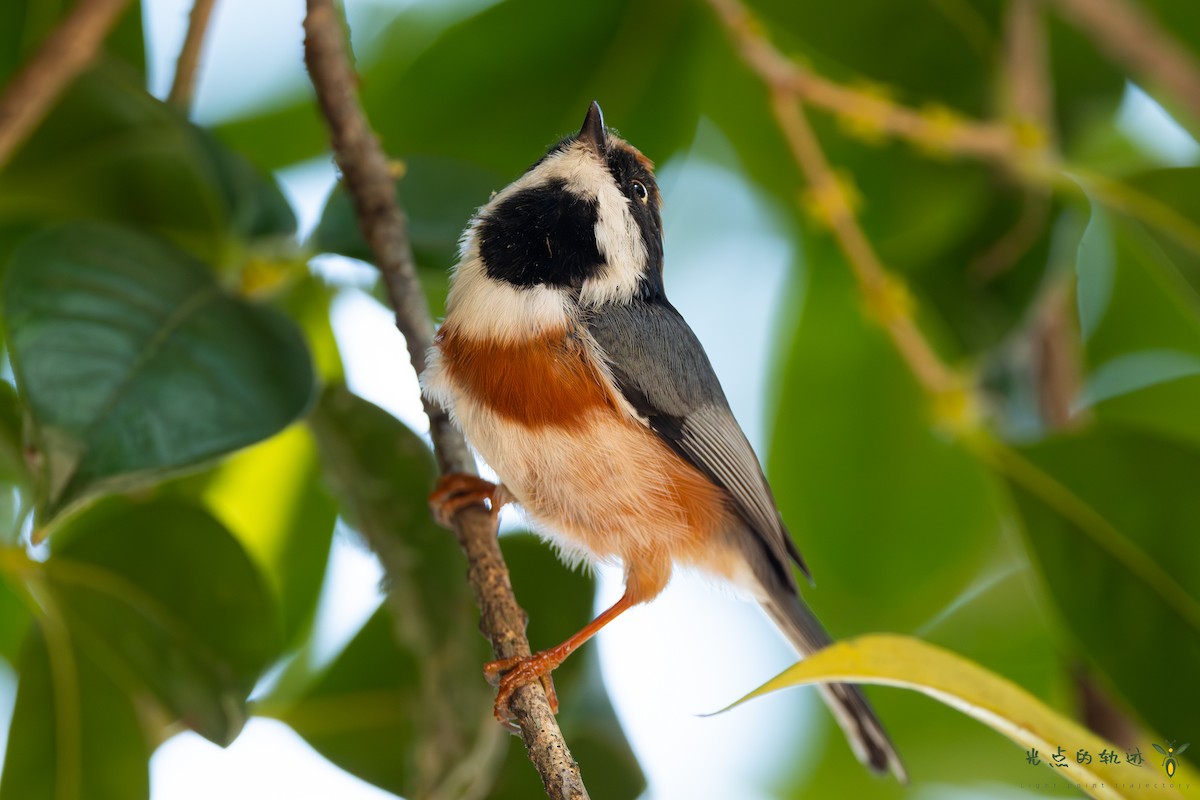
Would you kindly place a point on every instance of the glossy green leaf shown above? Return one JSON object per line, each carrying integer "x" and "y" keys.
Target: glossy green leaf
{"x": 75, "y": 731}
{"x": 1107, "y": 513}
{"x": 134, "y": 364}
{"x": 381, "y": 473}
{"x": 271, "y": 498}
{"x": 108, "y": 150}
{"x": 967, "y": 687}
{"x": 167, "y": 600}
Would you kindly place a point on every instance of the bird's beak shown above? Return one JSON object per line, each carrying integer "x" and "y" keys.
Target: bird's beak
{"x": 592, "y": 131}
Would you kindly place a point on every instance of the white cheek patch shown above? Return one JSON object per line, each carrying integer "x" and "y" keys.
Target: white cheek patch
{"x": 484, "y": 308}
{"x": 620, "y": 242}
{"x": 618, "y": 237}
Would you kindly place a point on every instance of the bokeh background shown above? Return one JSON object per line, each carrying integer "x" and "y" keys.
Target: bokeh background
{"x": 168, "y": 593}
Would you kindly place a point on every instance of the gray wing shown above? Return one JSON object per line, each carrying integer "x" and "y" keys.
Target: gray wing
{"x": 664, "y": 373}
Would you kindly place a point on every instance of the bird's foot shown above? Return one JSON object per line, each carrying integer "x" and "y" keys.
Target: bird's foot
{"x": 510, "y": 674}
{"x": 458, "y": 490}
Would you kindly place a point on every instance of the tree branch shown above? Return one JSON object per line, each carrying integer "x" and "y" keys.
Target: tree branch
{"x": 369, "y": 180}
{"x": 862, "y": 110}
{"x": 63, "y": 55}
{"x": 184, "y": 85}
{"x": 1133, "y": 37}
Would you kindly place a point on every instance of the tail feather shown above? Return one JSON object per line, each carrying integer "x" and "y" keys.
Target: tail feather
{"x": 850, "y": 707}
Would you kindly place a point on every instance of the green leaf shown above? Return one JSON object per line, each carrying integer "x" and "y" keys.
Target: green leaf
{"x": 24, "y": 24}
{"x": 15, "y": 480}
{"x": 75, "y": 733}
{"x": 966, "y": 686}
{"x": 133, "y": 364}
{"x": 371, "y": 713}
{"x": 1104, "y": 511}
{"x": 14, "y": 609}
{"x": 381, "y": 473}
{"x": 829, "y": 455}
{"x": 1139, "y": 310}
{"x": 164, "y": 597}
{"x": 946, "y": 55}
{"x": 902, "y": 530}
{"x": 109, "y": 150}
{"x": 271, "y": 498}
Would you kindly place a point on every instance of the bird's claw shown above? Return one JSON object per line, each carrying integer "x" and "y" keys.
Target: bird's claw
{"x": 509, "y": 674}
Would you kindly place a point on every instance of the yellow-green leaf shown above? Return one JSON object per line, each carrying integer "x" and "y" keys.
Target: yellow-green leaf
{"x": 962, "y": 684}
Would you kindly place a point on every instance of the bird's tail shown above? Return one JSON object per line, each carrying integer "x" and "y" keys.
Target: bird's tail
{"x": 864, "y": 731}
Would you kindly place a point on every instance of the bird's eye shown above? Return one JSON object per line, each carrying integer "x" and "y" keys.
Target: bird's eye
{"x": 640, "y": 190}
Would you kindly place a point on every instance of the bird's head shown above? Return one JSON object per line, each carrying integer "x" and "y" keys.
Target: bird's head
{"x": 583, "y": 220}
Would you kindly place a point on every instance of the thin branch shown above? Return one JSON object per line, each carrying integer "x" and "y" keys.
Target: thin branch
{"x": 184, "y": 85}
{"x": 63, "y": 55}
{"x": 1029, "y": 99}
{"x": 1130, "y": 35}
{"x": 885, "y": 295}
{"x": 368, "y": 178}
{"x": 864, "y": 110}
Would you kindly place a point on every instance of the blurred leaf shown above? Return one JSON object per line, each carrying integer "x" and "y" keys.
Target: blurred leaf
{"x": 1105, "y": 512}
{"x": 830, "y": 452}
{"x": 1087, "y": 85}
{"x": 14, "y": 610}
{"x": 464, "y": 99}
{"x": 902, "y": 531}
{"x": 964, "y": 685}
{"x": 24, "y": 24}
{"x": 559, "y": 603}
{"x": 381, "y": 473}
{"x": 309, "y": 301}
{"x": 945, "y": 56}
{"x": 271, "y": 498}
{"x": 1139, "y": 311}
{"x": 133, "y": 364}
{"x": 164, "y": 597}
{"x": 1175, "y": 188}
{"x": 370, "y": 713}
{"x": 75, "y": 734}
{"x": 109, "y": 150}
{"x": 15, "y": 480}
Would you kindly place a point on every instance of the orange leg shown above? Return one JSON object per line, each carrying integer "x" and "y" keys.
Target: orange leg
{"x": 512, "y": 673}
{"x": 457, "y": 491}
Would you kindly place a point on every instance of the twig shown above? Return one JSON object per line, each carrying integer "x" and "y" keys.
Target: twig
{"x": 1130, "y": 35}
{"x": 62, "y": 56}
{"x": 885, "y": 295}
{"x": 865, "y": 110}
{"x": 1029, "y": 99}
{"x": 368, "y": 178}
{"x": 184, "y": 85}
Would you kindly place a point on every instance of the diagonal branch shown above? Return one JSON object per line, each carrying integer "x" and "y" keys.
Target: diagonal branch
{"x": 1130, "y": 35}
{"x": 183, "y": 87}
{"x": 862, "y": 109}
{"x": 63, "y": 55}
{"x": 884, "y": 293}
{"x": 368, "y": 178}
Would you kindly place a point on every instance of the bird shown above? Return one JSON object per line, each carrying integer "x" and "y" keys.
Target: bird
{"x": 569, "y": 372}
